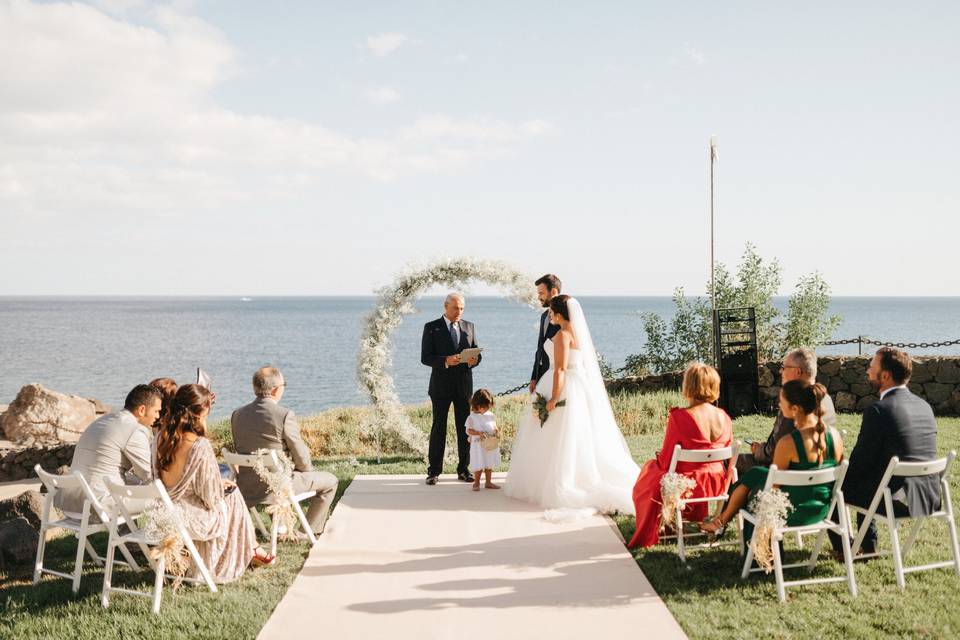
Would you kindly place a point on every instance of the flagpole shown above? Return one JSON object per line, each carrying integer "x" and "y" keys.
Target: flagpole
{"x": 713, "y": 271}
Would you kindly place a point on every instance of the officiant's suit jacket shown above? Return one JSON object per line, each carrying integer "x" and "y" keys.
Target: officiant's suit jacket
{"x": 436, "y": 345}
{"x": 541, "y": 361}
{"x": 902, "y": 425}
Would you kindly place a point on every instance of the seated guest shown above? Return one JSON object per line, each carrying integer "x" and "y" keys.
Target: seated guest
{"x": 811, "y": 445}
{"x": 264, "y": 424}
{"x": 699, "y": 426}
{"x": 213, "y": 510}
{"x": 799, "y": 364}
{"x": 900, "y": 424}
{"x": 114, "y": 445}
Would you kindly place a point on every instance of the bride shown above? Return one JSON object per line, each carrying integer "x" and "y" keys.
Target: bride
{"x": 577, "y": 462}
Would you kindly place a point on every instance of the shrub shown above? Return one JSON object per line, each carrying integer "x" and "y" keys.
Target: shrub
{"x": 689, "y": 334}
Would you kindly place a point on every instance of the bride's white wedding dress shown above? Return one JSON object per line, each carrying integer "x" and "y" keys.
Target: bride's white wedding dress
{"x": 577, "y": 463}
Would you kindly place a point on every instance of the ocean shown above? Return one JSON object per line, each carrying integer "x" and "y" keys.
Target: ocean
{"x": 101, "y": 347}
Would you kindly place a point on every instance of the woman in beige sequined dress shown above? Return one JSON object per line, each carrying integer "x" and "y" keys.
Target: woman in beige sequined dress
{"x": 213, "y": 509}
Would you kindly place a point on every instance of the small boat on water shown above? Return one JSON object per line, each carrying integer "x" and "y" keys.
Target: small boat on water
{"x": 246, "y": 299}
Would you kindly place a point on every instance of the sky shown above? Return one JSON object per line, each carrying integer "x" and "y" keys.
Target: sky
{"x": 236, "y": 147}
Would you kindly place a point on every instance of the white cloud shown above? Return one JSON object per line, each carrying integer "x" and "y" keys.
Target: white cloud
{"x": 119, "y": 7}
{"x": 476, "y": 129}
{"x": 98, "y": 114}
{"x": 693, "y": 54}
{"x": 382, "y": 95}
{"x": 385, "y": 43}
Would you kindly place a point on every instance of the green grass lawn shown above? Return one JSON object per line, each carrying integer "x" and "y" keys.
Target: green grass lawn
{"x": 710, "y": 600}
{"x": 707, "y": 597}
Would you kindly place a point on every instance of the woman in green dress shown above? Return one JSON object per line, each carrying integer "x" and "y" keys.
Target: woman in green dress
{"x": 810, "y": 446}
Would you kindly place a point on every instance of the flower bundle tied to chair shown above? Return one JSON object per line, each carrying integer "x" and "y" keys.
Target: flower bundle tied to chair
{"x": 771, "y": 509}
{"x": 162, "y": 528}
{"x": 279, "y": 481}
{"x": 673, "y": 488}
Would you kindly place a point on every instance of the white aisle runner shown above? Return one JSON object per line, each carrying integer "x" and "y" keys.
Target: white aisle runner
{"x": 402, "y": 560}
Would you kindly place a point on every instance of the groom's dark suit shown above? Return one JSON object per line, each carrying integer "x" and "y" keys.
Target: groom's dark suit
{"x": 448, "y": 385}
{"x": 541, "y": 361}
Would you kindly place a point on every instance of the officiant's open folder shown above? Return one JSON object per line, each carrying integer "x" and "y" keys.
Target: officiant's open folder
{"x": 473, "y": 352}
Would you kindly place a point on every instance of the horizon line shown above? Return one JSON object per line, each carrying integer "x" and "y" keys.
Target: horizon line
{"x": 252, "y": 296}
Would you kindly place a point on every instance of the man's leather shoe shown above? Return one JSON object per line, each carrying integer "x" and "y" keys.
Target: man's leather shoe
{"x": 431, "y": 480}
{"x": 465, "y": 477}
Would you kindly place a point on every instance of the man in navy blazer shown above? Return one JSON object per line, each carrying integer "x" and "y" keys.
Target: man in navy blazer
{"x": 547, "y": 288}
{"x": 451, "y": 382}
{"x": 899, "y": 424}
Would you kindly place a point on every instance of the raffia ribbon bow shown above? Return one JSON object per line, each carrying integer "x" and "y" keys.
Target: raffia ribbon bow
{"x": 281, "y": 512}
{"x": 174, "y": 556}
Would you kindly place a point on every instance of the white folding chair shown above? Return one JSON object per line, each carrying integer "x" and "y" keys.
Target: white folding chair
{"x": 93, "y": 518}
{"x": 726, "y": 454}
{"x": 270, "y": 461}
{"x": 778, "y": 478}
{"x": 899, "y": 469}
{"x": 237, "y": 460}
{"x": 145, "y": 494}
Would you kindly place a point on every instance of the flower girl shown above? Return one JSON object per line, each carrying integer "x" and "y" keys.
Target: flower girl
{"x": 484, "y": 443}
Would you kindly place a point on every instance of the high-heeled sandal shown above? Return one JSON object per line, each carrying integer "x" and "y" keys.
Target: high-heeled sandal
{"x": 262, "y": 559}
{"x": 721, "y": 527}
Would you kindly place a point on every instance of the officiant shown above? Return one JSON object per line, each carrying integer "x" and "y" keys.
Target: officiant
{"x": 451, "y": 382}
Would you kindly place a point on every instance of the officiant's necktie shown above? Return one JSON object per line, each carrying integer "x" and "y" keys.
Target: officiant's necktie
{"x": 454, "y": 335}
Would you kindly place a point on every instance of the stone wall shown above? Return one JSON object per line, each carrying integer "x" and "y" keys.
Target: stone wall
{"x": 663, "y": 382}
{"x": 17, "y": 462}
{"x": 935, "y": 378}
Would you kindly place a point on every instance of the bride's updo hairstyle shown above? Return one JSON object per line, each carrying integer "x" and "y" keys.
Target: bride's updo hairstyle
{"x": 559, "y": 306}
{"x": 701, "y": 383}
{"x": 186, "y": 416}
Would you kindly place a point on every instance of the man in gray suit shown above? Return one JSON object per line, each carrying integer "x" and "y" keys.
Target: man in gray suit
{"x": 264, "y": 424}
{"x": 799, "y": 364}
{"x": 113, "y": 445}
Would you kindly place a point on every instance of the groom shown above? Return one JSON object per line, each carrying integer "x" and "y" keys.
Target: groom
{"x": 547, "y": 288}
{"x": 451, "y": 381}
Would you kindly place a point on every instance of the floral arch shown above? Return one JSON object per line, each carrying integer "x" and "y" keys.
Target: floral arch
{"x": 375, "y": 357}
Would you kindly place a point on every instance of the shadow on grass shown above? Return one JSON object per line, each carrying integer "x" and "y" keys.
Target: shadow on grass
{"x": 712, "y": 568}
{"x": 51, "y": 610}
{"x": 53, "y": 591}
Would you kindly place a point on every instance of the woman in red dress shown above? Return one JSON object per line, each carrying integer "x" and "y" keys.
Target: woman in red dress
{"x": 699, "y": 426}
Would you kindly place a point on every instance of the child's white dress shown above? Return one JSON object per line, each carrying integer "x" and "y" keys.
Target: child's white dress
{"x": 479, "y": 457}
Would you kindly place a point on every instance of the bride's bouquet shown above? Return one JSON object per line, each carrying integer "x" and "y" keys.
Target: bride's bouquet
{"x": 540, "y": 407}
